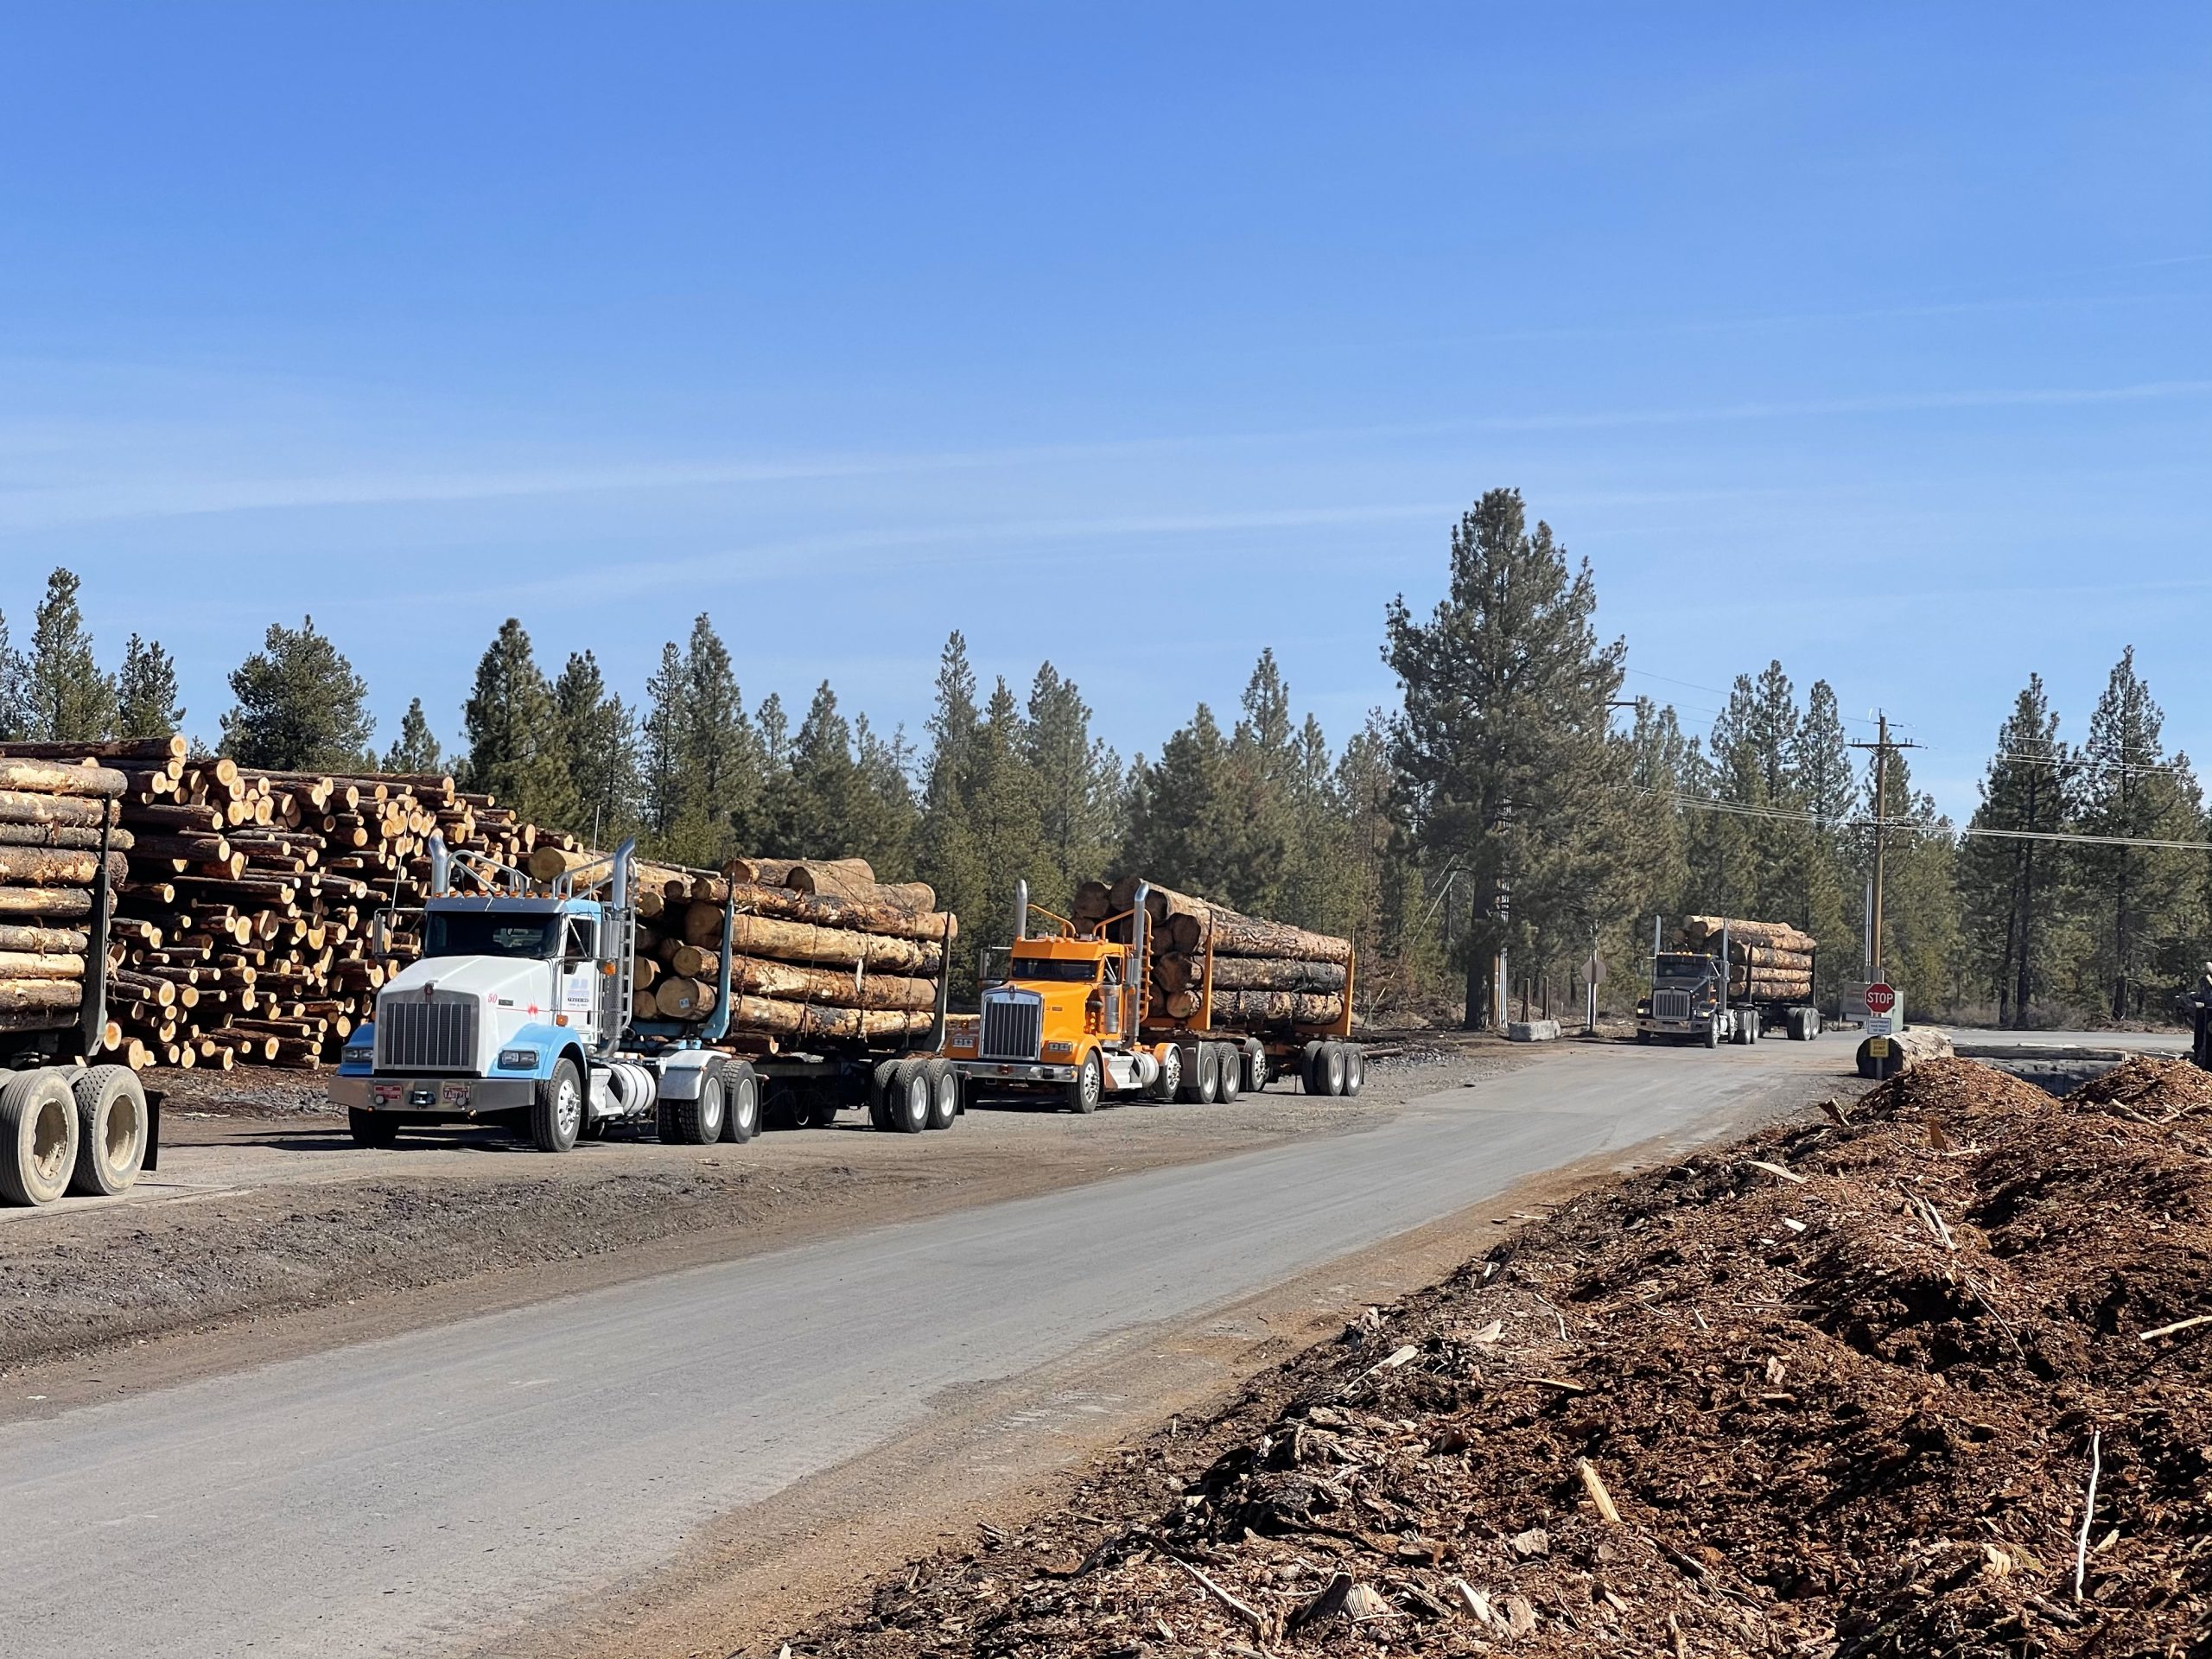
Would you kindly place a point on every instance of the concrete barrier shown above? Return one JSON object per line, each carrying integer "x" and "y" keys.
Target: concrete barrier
{"x": 1532, "y": 1031}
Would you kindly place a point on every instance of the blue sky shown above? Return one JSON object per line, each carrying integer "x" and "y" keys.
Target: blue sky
{"x": 1140, "y": 337}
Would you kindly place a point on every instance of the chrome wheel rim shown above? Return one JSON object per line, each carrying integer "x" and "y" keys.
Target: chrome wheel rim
{"x": 568, "y": 1107}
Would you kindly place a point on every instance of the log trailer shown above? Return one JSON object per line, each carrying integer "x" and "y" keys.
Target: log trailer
{"x": 1071, "y": 1017}
{"x": 66, "y": 1126}
{"x": 518, "y": 1011}
{"x": 1691, "y": 1000}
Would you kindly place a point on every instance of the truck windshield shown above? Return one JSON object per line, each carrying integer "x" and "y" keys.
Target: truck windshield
{"x": 1684, "y": 966}
{"x": 479, "y": 933}
{"x": 1073, "y": 973}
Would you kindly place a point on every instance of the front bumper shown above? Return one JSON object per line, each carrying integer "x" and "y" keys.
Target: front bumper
{"x": 1013, "y": 1072}
{"x": 470, "y": 1096}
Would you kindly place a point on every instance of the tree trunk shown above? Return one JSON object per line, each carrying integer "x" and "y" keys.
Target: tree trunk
{"x": 44, "y": 939}
{"x": 50, "y": 902}
{"x": 1275, "y": 974}
{"x": 31, "y": 806}
{"x": 838, "y": 878}
{"x": 835, "y": 947}
{"x": 1276, "y": 1008}
{"x": 37, "y": 964}
{"x": 52, "y": 778}
{"x": 41, "y": 993}
{"x": 777, "y": 1018}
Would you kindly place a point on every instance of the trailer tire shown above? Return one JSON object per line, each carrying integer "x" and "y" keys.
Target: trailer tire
{"x": 1169, "y": 1083}
{"x": 110, "y": 1130}
{"x": 1333, "y": 1068}
{"x": 1229, "y": 1063}
{"x": 906, "y": 1103}
{"x": 38, "y": 1136}
{"x": 1087, "y": 1086}
{"x": 1207, "y": 1089}
{"x": 1256, "y": 1068}
{"x": 1355, "y": 1069}
{"x": 697, "y": 1122}
{"x": 944, "y": 1093}
{"x": 557, "y": 1116}
{"x": 1309, "y": 1076}
{"x": 372, "y": 1129}
{"x": 879, "y": 1094}
{"x": 740, "y": 1104}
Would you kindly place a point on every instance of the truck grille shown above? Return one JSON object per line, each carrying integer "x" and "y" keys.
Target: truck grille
{"x": 1670, "y": 1004}
{"x": 439, "y": 1035}
{"x": 1013, "y": 1029}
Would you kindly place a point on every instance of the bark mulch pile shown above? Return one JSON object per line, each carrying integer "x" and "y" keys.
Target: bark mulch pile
{"x": 1840, "y": 1389}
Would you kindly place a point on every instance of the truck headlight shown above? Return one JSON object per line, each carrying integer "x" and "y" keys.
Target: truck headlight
{"x": 362, "y": 1054}
{"x": 518, "y": 1059}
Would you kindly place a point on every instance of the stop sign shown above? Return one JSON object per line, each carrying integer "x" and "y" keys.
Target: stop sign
{"x": 1880, "y": 999}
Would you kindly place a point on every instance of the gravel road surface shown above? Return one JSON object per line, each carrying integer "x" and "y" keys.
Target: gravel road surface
{"x": 431, "y": 1490}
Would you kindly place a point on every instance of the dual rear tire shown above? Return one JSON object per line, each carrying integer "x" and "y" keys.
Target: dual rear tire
{"x": 71, "y": 1131}
{"x": 906, "y": 1097}
{"x": 1334, "y": 1069}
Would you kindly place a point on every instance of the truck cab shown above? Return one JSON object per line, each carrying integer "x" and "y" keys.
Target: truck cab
{"x": 1688, "y": 1000}
{"x": 1061, "y": 1017}
{"x": 519, "y": 1010}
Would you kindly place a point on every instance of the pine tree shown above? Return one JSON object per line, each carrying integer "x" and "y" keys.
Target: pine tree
{"x": 1263, "y": 763}
{"x": 516, "y": 749}
{"x": 301, "y": 708}
{"x": 704, "y": 765}
{"x": 1503, "y": 746}
{"x": 71, "y": 700}
{"x": 1923, "y": 948}
{"x": 145, "y": 692}
{"x": 2009, "y": 883}
{"x": 948, "y": 849}
{"x": 1004, "y": 811}
{"x": 1187, "y": 820}
{"x": 817, "y": 807}
{"x": 599, "y": 744}
{"x": 1079, "y": 783}
{"x": 14, "y": 691}
{"x": 416, "y": 752}
{"x": 2145, "y": 901}
{"x": 881, "y": 814}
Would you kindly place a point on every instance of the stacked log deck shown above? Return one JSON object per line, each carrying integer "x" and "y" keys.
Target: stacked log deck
{"x": 56, "y": 816}
{"x": 1210, "y": 964}
{"x": 1768, "y": 962}
{"x": 820, "y": 952}
{"x": 242, "y": 912}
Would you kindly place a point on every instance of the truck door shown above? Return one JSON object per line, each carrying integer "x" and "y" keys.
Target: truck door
{"x": 579, "y": 974}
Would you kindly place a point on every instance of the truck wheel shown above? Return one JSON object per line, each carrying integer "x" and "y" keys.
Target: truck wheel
{"x": 1229, "y": 1063}
{"x": 110, "y": 1130}
{"x": 1642, "y": 1035}
{"x": 1812, "y": 1024}
{"x": 879, "y": 1094}
{"x": 1256, "y": 1068}
{"x": 698, "y": 1121}
{"x": 1333, "y": 1062}
{"x": 741, "y": 1103}
{"x": 1308, "y": 1058}
{"x": 1713, "y": 1032}
{"x": 371, "y": 1129}
{"x": 1088, "y": 1085}
{"x": 1189, "y": 1065}
{"x": 1355, "y": 1069}
{"x": 944, "y": 1093}
{"x": 907, "y": 1103}
{"x": 38, "y": 1137}
{"x": 1169, "y": 1083}
{"x": 557, "y": 1116}
{"x": 1208, "y": 1088}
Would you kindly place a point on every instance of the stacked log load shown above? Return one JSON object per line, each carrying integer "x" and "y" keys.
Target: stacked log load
{"x": 54, "y": 818}
{"x": 242, "y": 910}
{"x": 1767, "y": 961}
{"x": 1265, "y": 973}
{"x": 819, "y": 951}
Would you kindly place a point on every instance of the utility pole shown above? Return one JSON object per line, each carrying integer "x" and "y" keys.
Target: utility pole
{"x": 1883, "y": 749}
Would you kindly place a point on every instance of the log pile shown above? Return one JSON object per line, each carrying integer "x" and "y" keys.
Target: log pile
{"x": 242, "y": 910}
{"x": 1264, "y": 973}
{"x": 1767, "y": 961}
{"x": 819, "y": 951}
{"x": 54, "y": 818}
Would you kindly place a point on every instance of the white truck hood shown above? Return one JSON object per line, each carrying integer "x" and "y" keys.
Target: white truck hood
{"x": 503, "y": 982}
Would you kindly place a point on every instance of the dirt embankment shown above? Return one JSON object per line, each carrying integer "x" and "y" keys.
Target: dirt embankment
{"x": 1839, "y": 1391}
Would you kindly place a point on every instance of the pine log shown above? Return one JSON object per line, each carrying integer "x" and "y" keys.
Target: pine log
{"x": 57, "y": 866}
{"x": 83, "y": 837}
{"x": 41, "y": 1019}
{"x": 45, "y": 938}
{"x": 1275, "y": 974}
{"x": 50, "y": 902}
{"x": 801, "y": 1020}
{"x": 927, "y": 926}
{"x": 1093, "y": 904}
{"x": 1761, "y": 956}
{"x": 684, "y": 999}
{"x": 52, "y": 778}
{"x": 758, "y": 977}
{"x": 838, "y": 947}
{"x": 838, "y": 878}
{"x": 29, "y": 806}
{"x": 1276, "y": 1008}
{"x": 1779, "y": 935}
{"x": 41, "y": 993}
{"x": 142, "y": 750}
{"x": 41, "y": 964}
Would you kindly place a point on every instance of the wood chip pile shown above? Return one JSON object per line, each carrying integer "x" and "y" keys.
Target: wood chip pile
{"x": 53, "y": 818}
{"x": 241, "y": 922}
{"x": 1766, "y": 960}
{"x": 1265, "y": 973}
{"x": 1934, "y": 1377}
{"x": 820, "y": 951}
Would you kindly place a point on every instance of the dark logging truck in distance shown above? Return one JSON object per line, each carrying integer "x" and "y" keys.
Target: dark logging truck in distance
{"x": 1724, "y": 980}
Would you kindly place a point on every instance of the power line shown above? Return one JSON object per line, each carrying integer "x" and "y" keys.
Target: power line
{"x": 1747, "y": 810}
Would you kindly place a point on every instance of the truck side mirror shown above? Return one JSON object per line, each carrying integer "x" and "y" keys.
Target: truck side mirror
{"x": 380, "y": 935}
